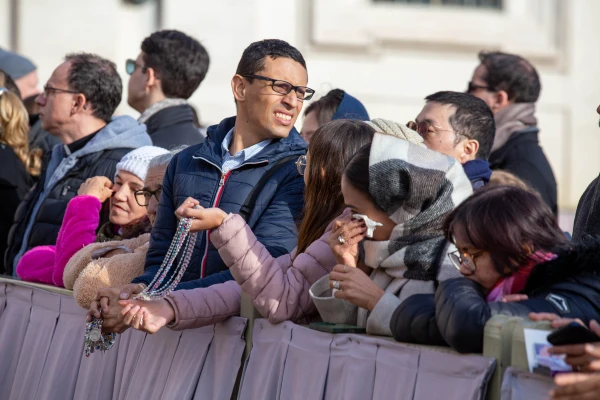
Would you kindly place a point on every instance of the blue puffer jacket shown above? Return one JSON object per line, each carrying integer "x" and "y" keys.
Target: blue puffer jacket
{"x": 196, "y": 172}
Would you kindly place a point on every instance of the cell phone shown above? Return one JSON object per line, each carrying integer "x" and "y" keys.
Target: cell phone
{"x": 336, "y": 328}
{"x": 573, "y": 333}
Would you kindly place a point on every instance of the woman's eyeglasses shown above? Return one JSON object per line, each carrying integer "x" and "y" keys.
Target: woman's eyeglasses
{"x": 301, "y": 165}
{"x": 466, "y": 259}
{"x": 142, "y": 197}
{"x": 283, "y": 87}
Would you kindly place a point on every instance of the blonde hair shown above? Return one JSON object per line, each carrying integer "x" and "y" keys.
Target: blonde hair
{"x": 14, "y": 129}
{"x": 504, "y": 178}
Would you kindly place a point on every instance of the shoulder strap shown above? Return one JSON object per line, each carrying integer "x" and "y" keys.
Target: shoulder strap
{"x": 248, "y": 206}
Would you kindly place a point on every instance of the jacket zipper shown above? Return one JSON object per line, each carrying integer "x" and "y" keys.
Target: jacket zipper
{"x": 217, "y": 200}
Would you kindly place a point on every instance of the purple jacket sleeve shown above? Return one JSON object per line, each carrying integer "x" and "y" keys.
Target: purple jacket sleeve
{"x": 200, "y": 307}
{"x": 279, "y": 287}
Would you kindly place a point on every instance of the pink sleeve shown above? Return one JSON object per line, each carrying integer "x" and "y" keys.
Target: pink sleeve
{"x": 200, "y": 307}
{"x": 78, "y": 229}
{"x": 278, "y": 286}
{"x": 37, "y": 264}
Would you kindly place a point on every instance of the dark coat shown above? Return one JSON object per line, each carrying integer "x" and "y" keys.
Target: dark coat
{"x": 39, "y": 217}
{"x": 587, "y": 216}
{"x": 523, "y": 157}
{"x": 15, "y": 182}
{"x": 172, "y": 127}
{"x": 568, "y": 286}
{"x": 196, "y": 172}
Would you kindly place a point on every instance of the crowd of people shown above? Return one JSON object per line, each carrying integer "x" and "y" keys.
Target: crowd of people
{"x": 419, "y": 231}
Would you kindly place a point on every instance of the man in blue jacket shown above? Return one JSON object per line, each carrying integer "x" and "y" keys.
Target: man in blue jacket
{"x": 269, "y": 88}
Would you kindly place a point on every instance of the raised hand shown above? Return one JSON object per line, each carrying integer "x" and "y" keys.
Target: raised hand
{"x": 98, "y": 186}
{"x": 204, "y": 218}
{"x": 344, "y": 238}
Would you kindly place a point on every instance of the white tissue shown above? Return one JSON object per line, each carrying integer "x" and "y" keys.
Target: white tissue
{"x": 371, "y": 225}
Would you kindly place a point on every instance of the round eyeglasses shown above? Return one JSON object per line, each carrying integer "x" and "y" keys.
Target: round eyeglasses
{"x": 301, "y": 165}
{"x": 466, "y": 259}
{"x": 422, "y": 128}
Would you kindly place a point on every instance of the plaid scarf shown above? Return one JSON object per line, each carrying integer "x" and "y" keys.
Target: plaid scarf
{"x": 417, "y": 188}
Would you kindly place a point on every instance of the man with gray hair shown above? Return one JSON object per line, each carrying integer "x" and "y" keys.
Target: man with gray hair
{"x": 76, "y": 106}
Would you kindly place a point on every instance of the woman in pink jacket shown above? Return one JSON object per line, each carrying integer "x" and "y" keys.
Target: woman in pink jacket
{"x": 127, "y": 218}
{"x": 278, "y": 286}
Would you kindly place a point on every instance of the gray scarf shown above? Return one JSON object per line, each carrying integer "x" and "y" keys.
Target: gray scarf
{"x": 156, "y": 107}
{"x": 512, "y": 119}
{"x": 417, "y": 188}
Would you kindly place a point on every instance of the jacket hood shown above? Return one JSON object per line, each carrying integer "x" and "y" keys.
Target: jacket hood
{"x": 120, "y": 132}
{"x": 279, "y": 148}
{"x": 579, "y": 262}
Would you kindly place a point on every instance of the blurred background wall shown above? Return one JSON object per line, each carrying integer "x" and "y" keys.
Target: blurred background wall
{"x": 388, "y": 53}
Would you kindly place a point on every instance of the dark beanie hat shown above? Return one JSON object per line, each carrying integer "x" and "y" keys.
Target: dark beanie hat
{"x": 351, "y": 108}
{"x": 15, "y": 65}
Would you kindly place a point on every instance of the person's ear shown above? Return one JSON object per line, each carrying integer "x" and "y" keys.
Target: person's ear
{"x": 80, "y": 104}
{"x": 500, "y": 100}
{"x": 238, "y": 87}
{"x": 470, "y": 149}
{"x": 152, "y": 78}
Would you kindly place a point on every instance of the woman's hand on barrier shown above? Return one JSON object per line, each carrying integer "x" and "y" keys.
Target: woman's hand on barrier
{"x": 98, "y": 186}
{"x": 576, "y": 386}
{"x": 556, "y": 321}
{"x": 355, "y": 287}
{"x": 583, "y": 357}
{"x": 345, "y": 235}
{"x": 147, "y": 316}
{"x": 106, "y": 306}
{"x": 204, "y": 218}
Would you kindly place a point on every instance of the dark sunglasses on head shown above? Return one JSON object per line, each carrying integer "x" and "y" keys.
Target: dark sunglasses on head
{"x": 473, "y": 87}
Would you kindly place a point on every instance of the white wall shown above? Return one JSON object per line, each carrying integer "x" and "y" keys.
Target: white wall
{"x": 389, "y": 56}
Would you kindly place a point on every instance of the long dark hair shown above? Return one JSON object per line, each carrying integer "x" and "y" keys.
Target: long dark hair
{"x": 329, "y": 150}
{"x": 509, "y": 223}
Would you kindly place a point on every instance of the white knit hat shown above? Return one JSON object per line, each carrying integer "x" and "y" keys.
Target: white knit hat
{"x": 137, "y": 161}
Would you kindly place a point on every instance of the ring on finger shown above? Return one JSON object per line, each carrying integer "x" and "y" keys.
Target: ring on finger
{"x": 341, "y": 239}
{"x": 336, "y": 285}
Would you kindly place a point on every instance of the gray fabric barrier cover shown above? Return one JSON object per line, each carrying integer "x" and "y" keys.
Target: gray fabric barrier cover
{"x": 524, "y": 385}
{"x": 41, "y": 348}
{"x": 285, "y": 357}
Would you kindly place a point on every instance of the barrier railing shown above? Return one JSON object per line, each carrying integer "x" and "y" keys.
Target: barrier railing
{"x": 41, "y": 348}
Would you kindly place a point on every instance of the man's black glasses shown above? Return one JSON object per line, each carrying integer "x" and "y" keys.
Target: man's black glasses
{"x": 283, "y": 87}
{"x": 473, "y": 87}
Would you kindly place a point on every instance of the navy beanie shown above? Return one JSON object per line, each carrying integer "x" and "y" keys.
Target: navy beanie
{"x": 351, "y": 108}
{"x": 15, "y": 65}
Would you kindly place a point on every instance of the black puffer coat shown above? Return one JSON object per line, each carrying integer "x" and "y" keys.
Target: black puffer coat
{"x": 568, "y": 286}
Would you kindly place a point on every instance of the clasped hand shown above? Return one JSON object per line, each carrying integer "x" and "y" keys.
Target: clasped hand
{"x": 203, "y": 218}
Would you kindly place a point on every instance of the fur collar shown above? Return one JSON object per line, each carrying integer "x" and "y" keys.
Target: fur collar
{"x": 582, "y": 258}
